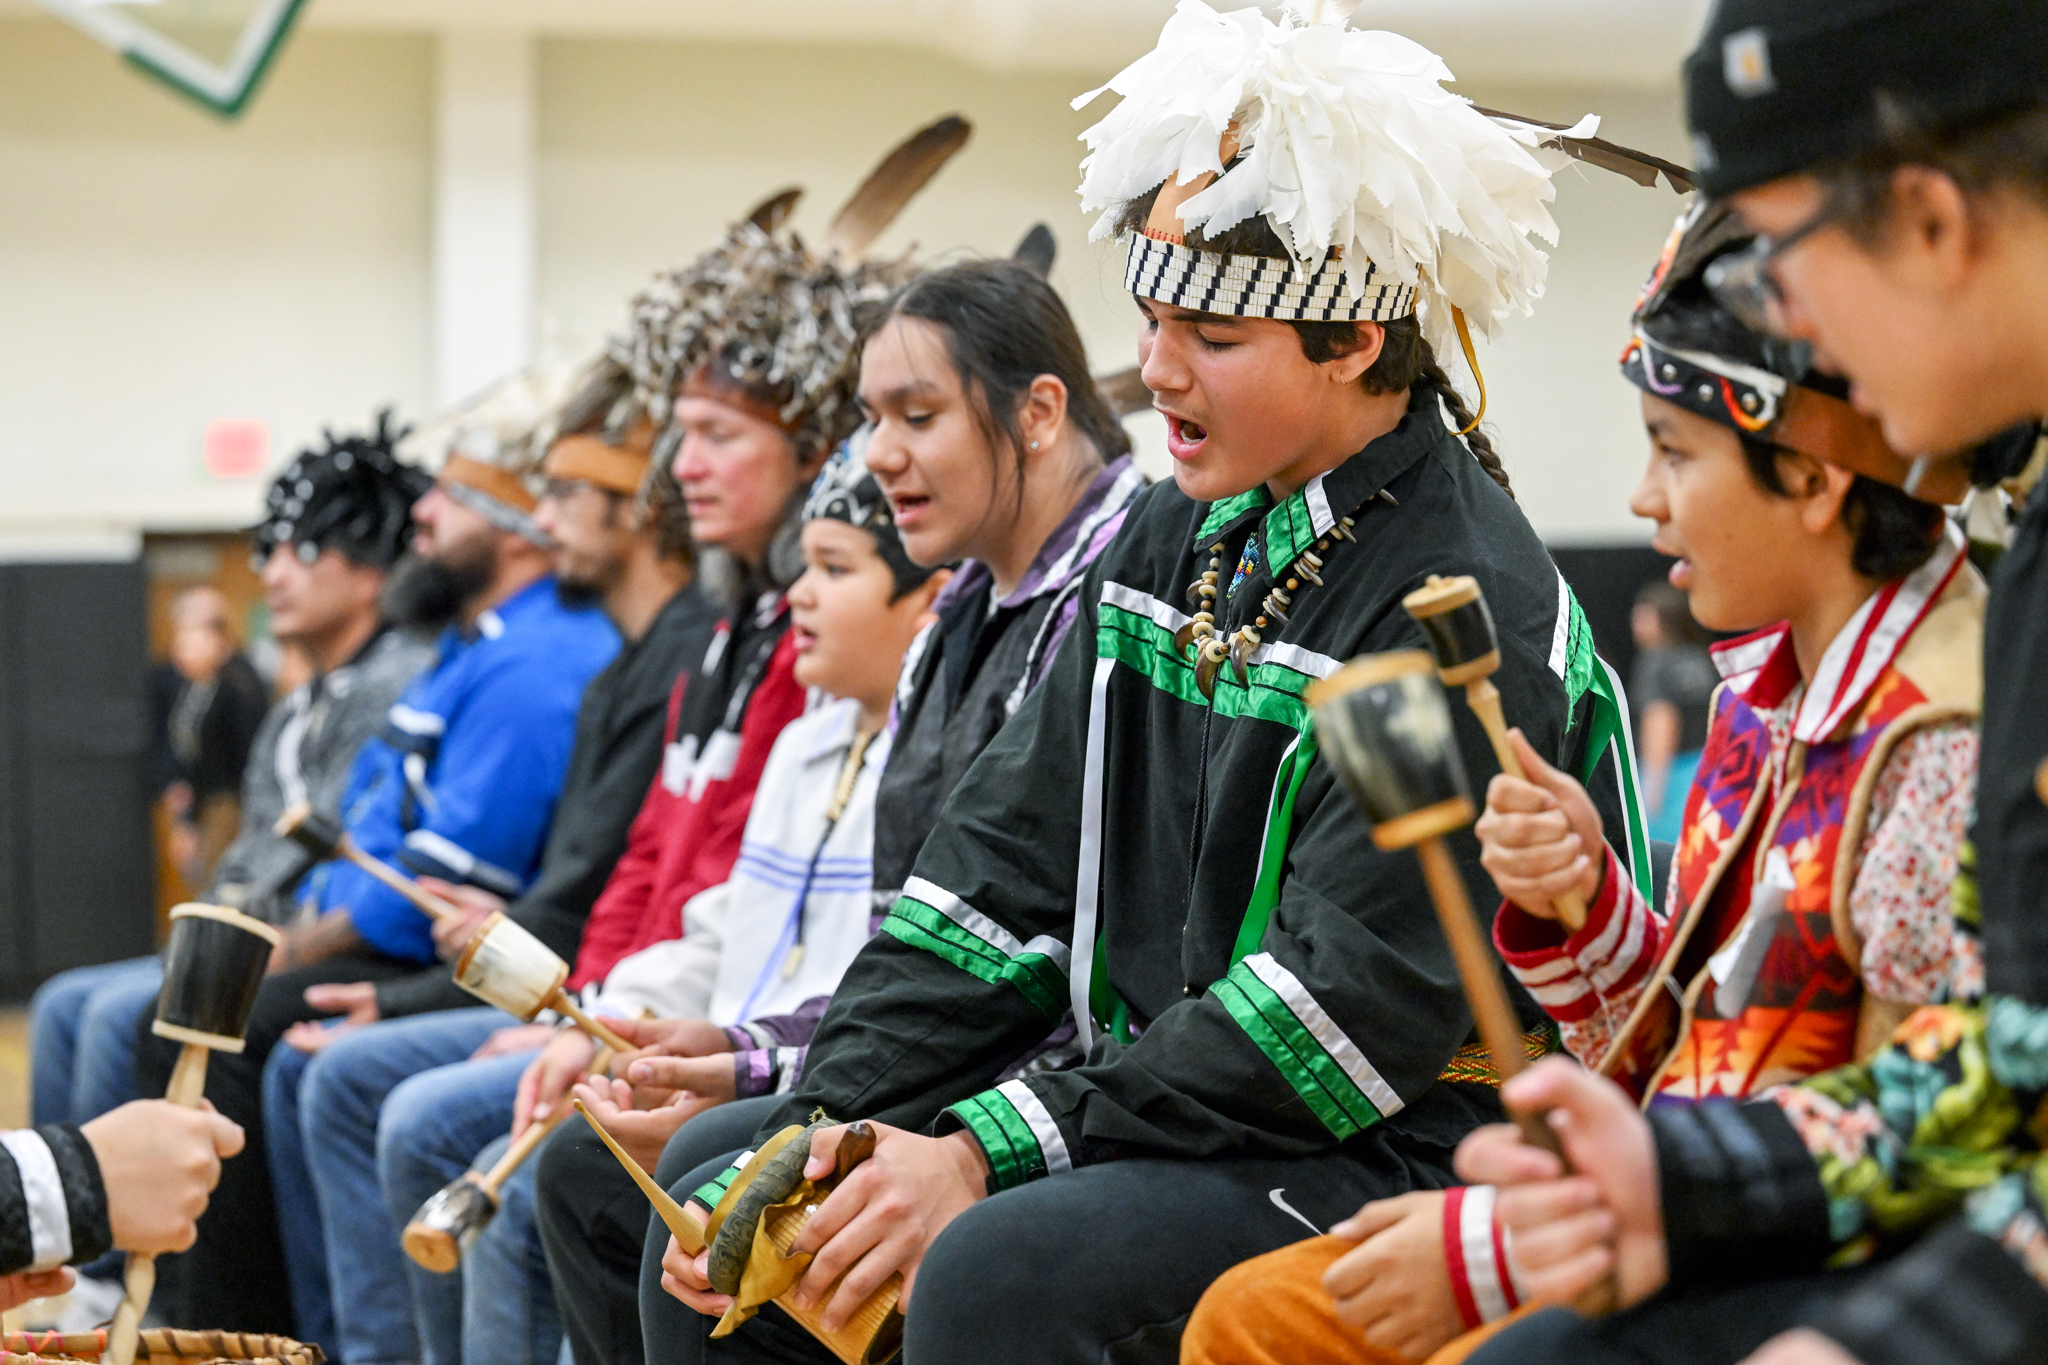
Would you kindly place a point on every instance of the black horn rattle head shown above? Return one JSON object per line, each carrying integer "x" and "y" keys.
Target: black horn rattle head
{"x": 1452, "y": 613}
{"x": 318, "y": 834}
{"x": 213, "y": 967}
{"x": 1384, "y": 726}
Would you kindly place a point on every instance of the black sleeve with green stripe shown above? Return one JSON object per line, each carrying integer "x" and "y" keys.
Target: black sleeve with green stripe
{"x": 1341, "y": 1021}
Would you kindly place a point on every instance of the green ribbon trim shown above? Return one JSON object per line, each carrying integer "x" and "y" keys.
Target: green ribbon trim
{"x": 1221, "y": 514}
{"x": 1035, "y": 975}
{"x": 1014, "y": 1156}
{"x": 1315, "y": 1076}
{"x": 1604, "y": 738}
{"x": 1288, "y": 530}
{"x": 1580, "y": 660}
{"x": 711, "y": 1191}
{"x": 1273, "y": 691}
{"x": 1112, "y": 1012}
{"x": 1287, "y": 780}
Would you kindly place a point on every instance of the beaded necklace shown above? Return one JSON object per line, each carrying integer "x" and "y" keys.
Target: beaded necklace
{"x": 1211, "y": 649}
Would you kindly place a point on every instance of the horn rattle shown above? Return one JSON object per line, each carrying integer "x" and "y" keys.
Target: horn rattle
{"x": 450, "y": 1219}
{"x": 1452, "y": 613}
{"x": 758, "y": 1219}
{"x": 504, "y": 964}
{"x": 213, "y": 968}
{"x": 1386, "y": 729}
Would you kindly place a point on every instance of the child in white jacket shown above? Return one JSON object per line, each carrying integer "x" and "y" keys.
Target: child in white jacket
{"x": 762, "y": 952}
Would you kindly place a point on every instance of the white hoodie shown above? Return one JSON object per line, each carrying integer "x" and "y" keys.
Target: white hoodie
{"x": 733, "y": 962}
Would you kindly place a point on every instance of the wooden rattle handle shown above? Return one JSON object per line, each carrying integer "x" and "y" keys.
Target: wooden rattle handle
{"x": 560, "y": 1003}
{"x": 1484, "y": 699}
{"x": 188, "y": 1085}
{"x": 423, "y": 900}
{"x": 536, "y": 1133}
{"x": 1498, "y": 1027}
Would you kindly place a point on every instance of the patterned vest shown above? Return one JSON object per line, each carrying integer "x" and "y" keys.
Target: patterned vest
{"x": 1775, "y": 995}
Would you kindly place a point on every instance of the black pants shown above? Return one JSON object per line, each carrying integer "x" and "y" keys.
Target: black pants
{"x": 1102, "y": 1264}
{"x": 594, "y": 1222}
{"x": 1700, "y": 1327}
{"x": 233, "y": 1279}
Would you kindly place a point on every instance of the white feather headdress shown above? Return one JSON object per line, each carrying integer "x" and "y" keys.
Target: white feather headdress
{"x": 1349, "y": 142}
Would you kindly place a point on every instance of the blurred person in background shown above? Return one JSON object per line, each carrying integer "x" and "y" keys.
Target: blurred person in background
{"x": 1672, "y": 687}
{"x": 335, "y": 521}
{"x": 622, "y": 540}
{"x": 208, "y": 701}
{"x": 460, "y": 783}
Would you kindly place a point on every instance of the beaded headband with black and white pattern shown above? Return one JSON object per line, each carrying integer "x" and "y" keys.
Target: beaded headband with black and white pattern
{"x": 1259, "y": 286}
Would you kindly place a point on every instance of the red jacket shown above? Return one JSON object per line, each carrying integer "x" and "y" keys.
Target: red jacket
{"x": 687, "y": 834}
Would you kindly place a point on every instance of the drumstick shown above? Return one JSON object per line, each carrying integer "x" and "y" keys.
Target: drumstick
{"x": 325, "y": 839}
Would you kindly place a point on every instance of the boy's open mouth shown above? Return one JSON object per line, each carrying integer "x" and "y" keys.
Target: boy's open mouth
{"x": 1184, "y": 438}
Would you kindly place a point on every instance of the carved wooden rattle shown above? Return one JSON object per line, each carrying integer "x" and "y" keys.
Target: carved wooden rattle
{"x": 213, "y": 968}
{"x": 1452, "y": 613}
{"x": 757, "y": 1221}
{"x": 1384, "y": 726}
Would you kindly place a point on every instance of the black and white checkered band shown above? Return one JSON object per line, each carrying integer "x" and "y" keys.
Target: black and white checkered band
{"x": 1259, "y": 286}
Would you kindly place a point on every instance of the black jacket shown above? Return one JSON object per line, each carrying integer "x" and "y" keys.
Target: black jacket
{"x": 1345, "y": 1009}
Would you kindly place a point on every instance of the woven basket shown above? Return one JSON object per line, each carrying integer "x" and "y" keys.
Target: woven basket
{"x": 159, "y": 1347}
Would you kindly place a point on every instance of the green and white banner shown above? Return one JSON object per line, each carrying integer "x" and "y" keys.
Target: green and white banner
{"x": 212, "y": 51}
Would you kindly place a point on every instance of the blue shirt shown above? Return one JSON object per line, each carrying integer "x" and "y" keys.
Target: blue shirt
{"x": 462, "y": 782}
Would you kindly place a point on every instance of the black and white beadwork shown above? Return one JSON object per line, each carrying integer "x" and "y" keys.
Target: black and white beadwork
{"x": 1259, "y": 286}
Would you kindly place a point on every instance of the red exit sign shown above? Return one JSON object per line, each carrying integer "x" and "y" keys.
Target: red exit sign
{"x": 236, "y": 448}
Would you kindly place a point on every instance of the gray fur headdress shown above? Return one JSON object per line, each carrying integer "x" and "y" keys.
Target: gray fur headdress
{"x": 768, "y": 314}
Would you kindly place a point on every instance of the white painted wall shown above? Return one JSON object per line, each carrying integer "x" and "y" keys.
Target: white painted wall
{"x": 159, "y": 268}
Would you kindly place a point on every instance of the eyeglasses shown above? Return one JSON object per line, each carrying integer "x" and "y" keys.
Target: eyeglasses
{"x": 1742, "y": 282}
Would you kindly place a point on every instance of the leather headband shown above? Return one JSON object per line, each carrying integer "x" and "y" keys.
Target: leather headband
{"x": 490, "y": 480}
{"x": 591, "y": 459}
{"x": 1827, "y": 428}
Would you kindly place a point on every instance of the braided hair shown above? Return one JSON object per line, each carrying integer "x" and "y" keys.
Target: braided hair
{"x": 1406, "y": 362}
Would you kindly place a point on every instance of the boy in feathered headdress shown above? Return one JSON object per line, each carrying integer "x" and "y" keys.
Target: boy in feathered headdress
{"x": 1275, "y": 1030}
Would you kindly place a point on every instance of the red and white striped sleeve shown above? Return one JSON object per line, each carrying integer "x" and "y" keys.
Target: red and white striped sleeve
{"x": 1483, "y": 1279}
{"x": 1589, "y": 980}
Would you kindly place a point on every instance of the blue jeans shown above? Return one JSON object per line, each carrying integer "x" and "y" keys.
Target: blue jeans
{"x": 298, "y": 1208}
{"x": 434, "y": 1127}
{"x": 508, "y": 1305}
{"x": 339, "y": 1099}
{"x": 82, "y": 1039}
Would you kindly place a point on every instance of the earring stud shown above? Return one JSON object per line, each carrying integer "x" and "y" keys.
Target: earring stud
{"x": 1034, "y": 445}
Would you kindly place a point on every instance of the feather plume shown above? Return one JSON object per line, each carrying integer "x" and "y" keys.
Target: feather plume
{"x": 775, "y": 315}
{"x": 1640, "y": 167}
{"x": 511, "y": 423}
{"x": 1348, "y": 141}
{"x": 771, "y": 213}
{"x": 892, "y": 184}
{"x": 1037, "y": 251}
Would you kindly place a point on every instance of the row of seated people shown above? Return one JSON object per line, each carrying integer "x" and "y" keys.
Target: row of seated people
{"x": 1053, "y": 894}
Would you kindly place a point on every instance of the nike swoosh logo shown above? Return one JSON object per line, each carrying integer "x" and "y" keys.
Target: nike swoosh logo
{"x": 1280, "y": 1203}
